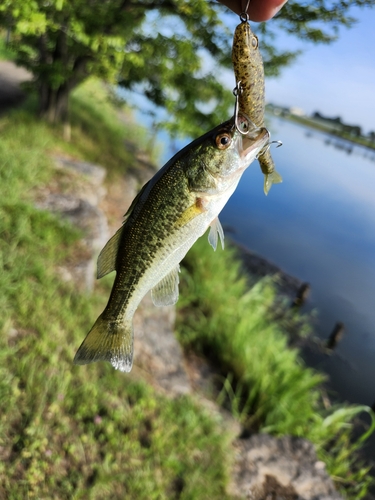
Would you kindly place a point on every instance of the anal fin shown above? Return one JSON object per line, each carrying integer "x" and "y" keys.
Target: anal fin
{"x": 216, "y": 230}
{"x": 165, "y": 293}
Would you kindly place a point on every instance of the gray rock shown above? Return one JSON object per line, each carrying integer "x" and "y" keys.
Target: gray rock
{"x": 157, "y": 353}
{"x": 80, "y": 204}
{"x": 287, "y": 468}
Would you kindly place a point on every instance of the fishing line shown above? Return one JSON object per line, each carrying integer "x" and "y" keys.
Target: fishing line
{"x": 244, "y": 16}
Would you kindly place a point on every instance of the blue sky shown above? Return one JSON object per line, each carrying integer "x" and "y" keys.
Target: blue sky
{"x": 336, "y": 79}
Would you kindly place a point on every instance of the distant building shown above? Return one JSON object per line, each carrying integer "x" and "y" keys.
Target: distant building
{"x": 297, "y": 111}
{"x": 278, "y": 110}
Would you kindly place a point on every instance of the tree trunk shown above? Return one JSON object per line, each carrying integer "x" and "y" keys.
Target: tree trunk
{"x": 54, "y": 106}
{"x": 54, "y": 103}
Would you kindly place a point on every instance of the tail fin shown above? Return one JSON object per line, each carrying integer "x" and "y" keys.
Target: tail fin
{"x": 108, "y": 341}
{"x": 269, "y": 179}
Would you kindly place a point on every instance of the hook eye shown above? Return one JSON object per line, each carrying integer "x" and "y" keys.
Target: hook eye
{"x": 238, "y": 89}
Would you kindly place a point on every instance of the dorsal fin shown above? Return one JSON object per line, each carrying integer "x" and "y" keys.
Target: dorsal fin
{"x": 107, "y": 257}
{"x": 135, "y": 201}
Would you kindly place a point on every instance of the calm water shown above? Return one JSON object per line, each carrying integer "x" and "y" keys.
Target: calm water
{"x": 319, "y": 225}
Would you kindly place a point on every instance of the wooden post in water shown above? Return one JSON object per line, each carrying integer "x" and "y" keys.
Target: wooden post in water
{"x": 301, "y": 295}
{"x": 336, "y": 335}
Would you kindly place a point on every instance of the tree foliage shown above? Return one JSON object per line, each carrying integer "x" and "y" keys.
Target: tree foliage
{"x": 158, "y": 46}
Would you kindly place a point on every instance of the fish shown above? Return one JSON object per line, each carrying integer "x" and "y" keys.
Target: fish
{"x": 249, "y": 73}
{"x": 172, "y": 210}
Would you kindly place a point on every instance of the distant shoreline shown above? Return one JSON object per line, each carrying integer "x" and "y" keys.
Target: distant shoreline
{"x": 312, "y": 123}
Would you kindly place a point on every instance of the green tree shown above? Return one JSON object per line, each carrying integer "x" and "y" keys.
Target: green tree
{"x": 158, "y": 46}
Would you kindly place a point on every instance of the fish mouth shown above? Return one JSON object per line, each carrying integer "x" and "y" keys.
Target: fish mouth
{"x": 253, "y": 142}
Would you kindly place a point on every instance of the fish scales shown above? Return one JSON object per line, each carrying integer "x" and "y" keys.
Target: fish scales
{"x": 165, "y": 219}
{"x": 145, "y": 230}
{"x": 249, "y": 70}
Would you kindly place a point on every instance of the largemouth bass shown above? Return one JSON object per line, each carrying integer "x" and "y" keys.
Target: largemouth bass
{"x": 248, "y": 70}
{"x": 165, "y": 219}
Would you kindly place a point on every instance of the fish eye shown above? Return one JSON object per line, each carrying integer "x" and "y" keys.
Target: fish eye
{"x": 254, "y": 42}
{"x": 223, "y": 140}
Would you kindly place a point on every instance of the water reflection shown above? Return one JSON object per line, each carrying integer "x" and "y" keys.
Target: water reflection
{"x": 344, "y": 145}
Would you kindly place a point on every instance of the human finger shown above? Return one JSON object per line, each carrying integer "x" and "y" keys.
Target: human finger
{"x": 258, "y": 10}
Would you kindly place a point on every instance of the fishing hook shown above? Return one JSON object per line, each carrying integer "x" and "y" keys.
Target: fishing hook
{"x": 237, "y": 91}
{"x": 268, "y": 146}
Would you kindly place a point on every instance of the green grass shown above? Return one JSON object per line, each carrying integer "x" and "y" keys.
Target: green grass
{"x": 99, "y": 135}
{"x": 68, "y": 431}
{"x": 264, "y": 382}
{"x": 233, "y": 325}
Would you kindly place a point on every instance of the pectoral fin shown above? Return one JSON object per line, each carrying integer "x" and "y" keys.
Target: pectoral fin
{"x": 190, "y": 213}
{"x": 215, "y": 230}
{"x": 165, "y": 293}
{"x": 107, "y": 257}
